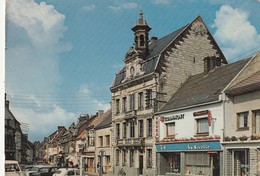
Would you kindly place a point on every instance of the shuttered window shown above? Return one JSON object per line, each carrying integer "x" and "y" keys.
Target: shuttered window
{"x": 197, "y": 159}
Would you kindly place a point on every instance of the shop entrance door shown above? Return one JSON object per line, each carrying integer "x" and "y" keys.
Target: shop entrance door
{"x": 141, "y": 164}
{"x": 215, "y": 164}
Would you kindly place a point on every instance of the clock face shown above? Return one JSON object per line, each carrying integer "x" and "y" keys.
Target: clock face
{"x": 132, "y": 71}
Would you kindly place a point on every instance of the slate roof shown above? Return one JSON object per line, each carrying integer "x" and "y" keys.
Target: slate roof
{"x": 249, "y": 84}
{"x": 106, "y": 121}
{"x": 203, "y": 88}
{"x": 150, "y": 62}
{"x": 157, "y": 46}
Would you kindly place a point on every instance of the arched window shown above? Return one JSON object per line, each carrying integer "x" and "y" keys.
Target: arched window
{"x": 141, "y": 40}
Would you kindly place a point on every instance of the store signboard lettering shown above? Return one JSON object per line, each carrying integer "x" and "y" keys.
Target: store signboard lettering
{"x": 198, "y": 147}
{"x": 190, "y": 146}
{"x": 174, "y": 117}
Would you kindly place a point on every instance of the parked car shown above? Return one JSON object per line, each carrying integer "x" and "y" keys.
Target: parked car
{"x": 67, "y": 172}
{"x": 12, "y": 168}
{"x": 38, "y": 168}
{"x": 45, "y": 171}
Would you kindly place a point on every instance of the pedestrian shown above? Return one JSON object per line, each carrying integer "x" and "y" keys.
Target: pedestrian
{"x": 98, "y": 167}
{"x": 85, "y": 167}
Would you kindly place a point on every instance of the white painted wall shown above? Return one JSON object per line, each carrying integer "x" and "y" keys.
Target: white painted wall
{"x": 186, "y": 127}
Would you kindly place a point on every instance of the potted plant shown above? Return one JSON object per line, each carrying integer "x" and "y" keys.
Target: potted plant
{"x": 233, "y": 138}
{"x": 243, "y": 138}
{"x": 226, "y": 138}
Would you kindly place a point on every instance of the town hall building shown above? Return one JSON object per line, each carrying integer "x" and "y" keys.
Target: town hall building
{"x": 154, "y": 69}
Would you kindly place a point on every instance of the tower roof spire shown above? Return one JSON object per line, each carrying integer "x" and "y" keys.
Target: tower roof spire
{"x": 141, "y": 22}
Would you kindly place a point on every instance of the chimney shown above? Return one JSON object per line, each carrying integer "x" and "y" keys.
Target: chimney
{"x": 6, "y": 102}
{"x": 61, "y": 127}
{"x": 210, "y": 63}
{"x": 100, "y": 112}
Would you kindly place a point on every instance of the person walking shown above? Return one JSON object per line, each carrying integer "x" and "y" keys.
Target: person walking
{"x": 98, "y": 167}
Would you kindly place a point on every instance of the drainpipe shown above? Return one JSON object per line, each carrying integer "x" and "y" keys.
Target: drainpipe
{"x": 224, "y": 127}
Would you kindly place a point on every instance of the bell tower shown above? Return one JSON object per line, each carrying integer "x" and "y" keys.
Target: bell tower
{"x": 141, "y": 34}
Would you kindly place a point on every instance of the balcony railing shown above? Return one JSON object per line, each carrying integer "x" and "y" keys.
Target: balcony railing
{"x": 130, "y": 114}
{"x": 139, "y": 142}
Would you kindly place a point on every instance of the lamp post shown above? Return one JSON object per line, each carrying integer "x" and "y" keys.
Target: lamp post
{"x": 102, "y": 152}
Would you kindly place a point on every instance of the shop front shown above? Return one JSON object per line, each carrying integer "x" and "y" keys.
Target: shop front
{"x": 242, "y": 159}
{"x": 189, "y": 158}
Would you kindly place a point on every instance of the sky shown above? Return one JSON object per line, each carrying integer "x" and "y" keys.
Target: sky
{"x": 61, "y": 56}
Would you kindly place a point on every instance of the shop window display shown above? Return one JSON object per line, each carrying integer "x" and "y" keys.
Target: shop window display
{"x": 173, "y": 161}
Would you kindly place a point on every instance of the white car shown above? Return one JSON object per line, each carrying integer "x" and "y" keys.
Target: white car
{"x": 35, "y": 168}
{"x": 67, "y": 172}
{"x": 12, "y": 168}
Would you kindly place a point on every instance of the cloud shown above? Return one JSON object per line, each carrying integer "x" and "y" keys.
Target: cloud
{"x": 93, "y": 103}
{"x": 127, "y": 5}
{"x": 234, "y": 32}
{"x": 157, "y": 2}
{"x": 44, "y": 123}
{"x": 34, "y": 43}
{"x": 88, "y": 8}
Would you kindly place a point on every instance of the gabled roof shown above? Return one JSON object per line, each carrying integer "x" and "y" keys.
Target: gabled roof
{"x": 248, "y": 85}
{"x": 106, "y": 121}
{"x": 201, "y": 88}
{"x": 156, "y": 48}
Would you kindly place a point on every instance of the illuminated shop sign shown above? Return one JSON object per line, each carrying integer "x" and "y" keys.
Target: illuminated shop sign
{"x": 189, "y": 146}
{"x": 174, "y": 117}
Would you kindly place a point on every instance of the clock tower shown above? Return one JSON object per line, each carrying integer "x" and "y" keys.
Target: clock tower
{"x": 141, "y": 34}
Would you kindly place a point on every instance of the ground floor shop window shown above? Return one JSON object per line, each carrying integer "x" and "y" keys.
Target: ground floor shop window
{"x": 173, "y": 160}
{"x": 241, "y": 162}
{"x": 198, "y": 163}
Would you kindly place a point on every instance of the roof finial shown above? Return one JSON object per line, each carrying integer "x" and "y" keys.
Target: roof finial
{"x": 141, "y": 14}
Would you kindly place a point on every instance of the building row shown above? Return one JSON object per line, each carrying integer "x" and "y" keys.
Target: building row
{"x": 177, "y": 108}
{"x": 17, "y": 145}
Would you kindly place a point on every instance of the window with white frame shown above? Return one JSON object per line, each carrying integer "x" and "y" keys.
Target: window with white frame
{"x": 141, "y": 128}
{"x": 132, "y": 102}
{"x": 202, "y": 126}
{"x": 124, "y": 129}
{"x": 107, "y": 140}
{"x": 148, "y": 98}
{"x": 149, "y": 127}
{"x": 124, "y": 104}
{"x": 100, "y": 141}
{"x": 149, "y": 158}
{"x": 242, "y": 121}
{"x": 131, "y": 159}
{"x": 124, "y": 158}
{"x": 117, "y": 106}
{"x": 257, "y": 122}
{"x": 118, "y": 131}
{"x": 132, "y": 129}
{"x": 170, "y": 127}
{"x": 117, "y": 157}
{"x": 140, "y": 100}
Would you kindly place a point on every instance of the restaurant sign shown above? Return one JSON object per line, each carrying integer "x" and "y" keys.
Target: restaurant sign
{"x": 174, "y": 117}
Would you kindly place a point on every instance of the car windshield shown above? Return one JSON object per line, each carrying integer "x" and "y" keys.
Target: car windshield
{"x": 34, "y": 169}
{"x": 58, "y": 172}
{"x": 11, "y": 167}
{"x": 44, "y": 169}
